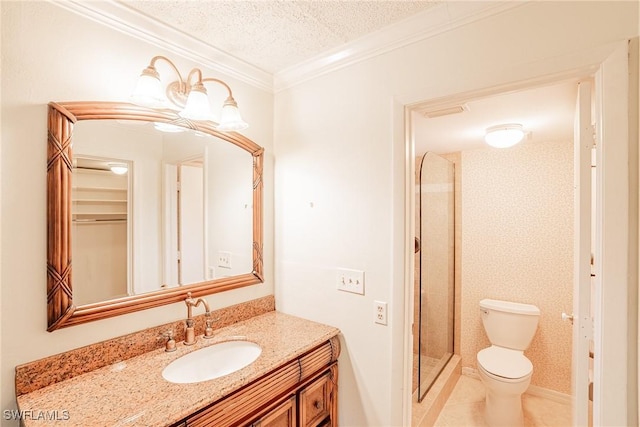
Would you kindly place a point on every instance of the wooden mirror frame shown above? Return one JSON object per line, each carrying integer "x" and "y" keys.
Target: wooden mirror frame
{"x": 61, "y": 312}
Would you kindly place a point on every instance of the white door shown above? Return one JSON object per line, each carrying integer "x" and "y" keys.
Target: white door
{"x": 191, "y": 224}
{"x": 616, "y": 220}
{"x": 171, "y": 255}
{"x": 582, "y": 322}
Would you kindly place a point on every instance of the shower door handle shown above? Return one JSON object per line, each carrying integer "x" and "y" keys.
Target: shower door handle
{"x": 416, "y": 245}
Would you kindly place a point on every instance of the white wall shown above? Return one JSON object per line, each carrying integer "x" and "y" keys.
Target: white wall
{"x": 230, "y": 178}
{"x": 50, "y": 54}
{"x": 340, "y": 175}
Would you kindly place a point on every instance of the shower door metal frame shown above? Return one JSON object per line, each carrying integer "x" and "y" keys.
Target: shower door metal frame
{"x": 419, "y": 247}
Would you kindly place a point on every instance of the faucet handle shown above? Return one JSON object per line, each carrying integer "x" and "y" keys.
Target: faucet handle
{"x": 208, "y": 329}
{"x": 171, "y": 343}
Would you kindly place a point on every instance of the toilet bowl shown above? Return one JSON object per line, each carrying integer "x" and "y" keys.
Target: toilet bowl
{"x": 506, "y": 374}
{"x": 503, "y": 368}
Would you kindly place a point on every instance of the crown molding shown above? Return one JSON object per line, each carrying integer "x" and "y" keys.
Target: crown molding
{"x": 135, "y": 24}
{"x": 436, "y": 20}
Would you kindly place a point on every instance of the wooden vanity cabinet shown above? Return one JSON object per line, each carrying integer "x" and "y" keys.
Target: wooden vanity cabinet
{"x": 314, "y": 405}
{"x": 283, "y": 416}
{"x": 315, "y": 401}
{"x": 301, "y": 393}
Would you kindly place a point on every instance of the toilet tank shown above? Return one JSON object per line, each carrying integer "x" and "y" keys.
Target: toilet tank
{"x": 509, "y": 324}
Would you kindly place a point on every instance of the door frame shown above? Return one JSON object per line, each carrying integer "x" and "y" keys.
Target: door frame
{"x": 624, "y": 326}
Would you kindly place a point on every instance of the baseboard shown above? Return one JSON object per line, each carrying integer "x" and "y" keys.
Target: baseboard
{"x": 547, "y": 393}
{"x": 470, "y": 372}
{"x": 533, "y": 390}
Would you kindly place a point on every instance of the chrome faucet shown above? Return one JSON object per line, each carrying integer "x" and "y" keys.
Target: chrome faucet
{"x": 190, "y": 336}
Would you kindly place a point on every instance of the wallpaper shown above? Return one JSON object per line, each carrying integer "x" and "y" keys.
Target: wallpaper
{"x": 517, "y": 245}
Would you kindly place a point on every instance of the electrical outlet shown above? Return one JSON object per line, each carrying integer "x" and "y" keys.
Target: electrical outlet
{"x": 350, "y": 280}
{"x": 224, "y": 259}
{"x": 380, "y": 312}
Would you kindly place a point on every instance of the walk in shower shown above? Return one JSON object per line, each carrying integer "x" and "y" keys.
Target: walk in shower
{"x": 435, "y": 270}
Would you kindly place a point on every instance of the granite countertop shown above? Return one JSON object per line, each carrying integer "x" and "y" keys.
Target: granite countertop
{"x": 133, "y": 392}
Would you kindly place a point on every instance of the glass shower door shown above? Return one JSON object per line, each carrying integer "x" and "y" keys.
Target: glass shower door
{"x": 436, "y": 269}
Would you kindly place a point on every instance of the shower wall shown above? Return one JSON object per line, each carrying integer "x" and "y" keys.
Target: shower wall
{"x": 518, "y": 246}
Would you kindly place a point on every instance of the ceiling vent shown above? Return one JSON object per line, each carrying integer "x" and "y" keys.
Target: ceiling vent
{"x": 431, "y": 114}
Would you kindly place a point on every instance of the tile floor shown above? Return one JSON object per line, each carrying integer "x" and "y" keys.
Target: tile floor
{"x": 465, "y": 408}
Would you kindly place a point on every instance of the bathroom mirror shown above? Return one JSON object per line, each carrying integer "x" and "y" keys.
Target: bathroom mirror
{"x": 149, "y": 206}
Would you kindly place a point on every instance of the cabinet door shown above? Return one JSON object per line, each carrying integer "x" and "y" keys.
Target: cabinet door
{"x": 315, "y": 402}
{"x": 283, "y": 415}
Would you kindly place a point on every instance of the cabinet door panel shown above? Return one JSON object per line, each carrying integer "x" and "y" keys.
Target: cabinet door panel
{"x": 282, "y": 416}
{"x": 315, "y": 402}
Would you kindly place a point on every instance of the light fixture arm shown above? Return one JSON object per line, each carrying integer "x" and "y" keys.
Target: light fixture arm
{"x": 211, "y": 79}
{"x": 152, "y": 68}
{"x": 198, "y": 72}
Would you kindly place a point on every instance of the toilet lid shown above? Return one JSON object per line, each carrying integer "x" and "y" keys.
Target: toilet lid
{"x": 504, "y": 362}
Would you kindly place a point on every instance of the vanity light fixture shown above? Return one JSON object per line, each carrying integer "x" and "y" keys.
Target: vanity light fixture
{"x": 503, "y": 136}
{"x": 118, "y": 168}
{"x": 190, "y": 98}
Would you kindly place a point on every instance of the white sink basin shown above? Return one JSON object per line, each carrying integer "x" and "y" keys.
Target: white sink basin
{"x": 212, "y": 362}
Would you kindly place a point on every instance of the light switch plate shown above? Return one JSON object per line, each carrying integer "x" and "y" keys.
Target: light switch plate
{"x": 224, "y": 259}
{"x": 350, "y": 280}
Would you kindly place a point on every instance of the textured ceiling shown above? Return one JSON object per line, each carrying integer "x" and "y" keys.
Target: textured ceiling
{"x": 275, "y": 34}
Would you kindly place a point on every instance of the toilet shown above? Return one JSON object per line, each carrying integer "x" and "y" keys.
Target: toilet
{"x": 503, "y": 368}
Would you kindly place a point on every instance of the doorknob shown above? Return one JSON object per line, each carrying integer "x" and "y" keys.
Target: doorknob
{"x": 568, "y": 317}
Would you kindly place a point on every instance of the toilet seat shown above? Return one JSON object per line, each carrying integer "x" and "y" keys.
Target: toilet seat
{"x": 504, "y": 363}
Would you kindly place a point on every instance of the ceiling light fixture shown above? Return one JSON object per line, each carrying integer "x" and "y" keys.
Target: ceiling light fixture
{"x": 118, "y": 168}
{"x": 503, "y": 136}
{"x": 189, "y": 98}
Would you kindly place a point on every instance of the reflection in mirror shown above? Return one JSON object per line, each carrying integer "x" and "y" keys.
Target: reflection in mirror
{"x": 100, "y": 226}
{"x": 187, "y": 217}
{"x": 184, "y": 215}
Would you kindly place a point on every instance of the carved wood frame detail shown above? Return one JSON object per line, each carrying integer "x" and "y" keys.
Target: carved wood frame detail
{"x": 61, "y": 312}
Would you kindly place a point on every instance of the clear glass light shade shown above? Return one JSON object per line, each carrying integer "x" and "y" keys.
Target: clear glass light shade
{"x": 504, "y": 136}
{"x": 149, "y": 93}
{"x": 197, "y": 106}
{"x": 230, "y": 119}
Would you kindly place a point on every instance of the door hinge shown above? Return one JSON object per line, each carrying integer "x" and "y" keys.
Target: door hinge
{"x": 586, "y": 328}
